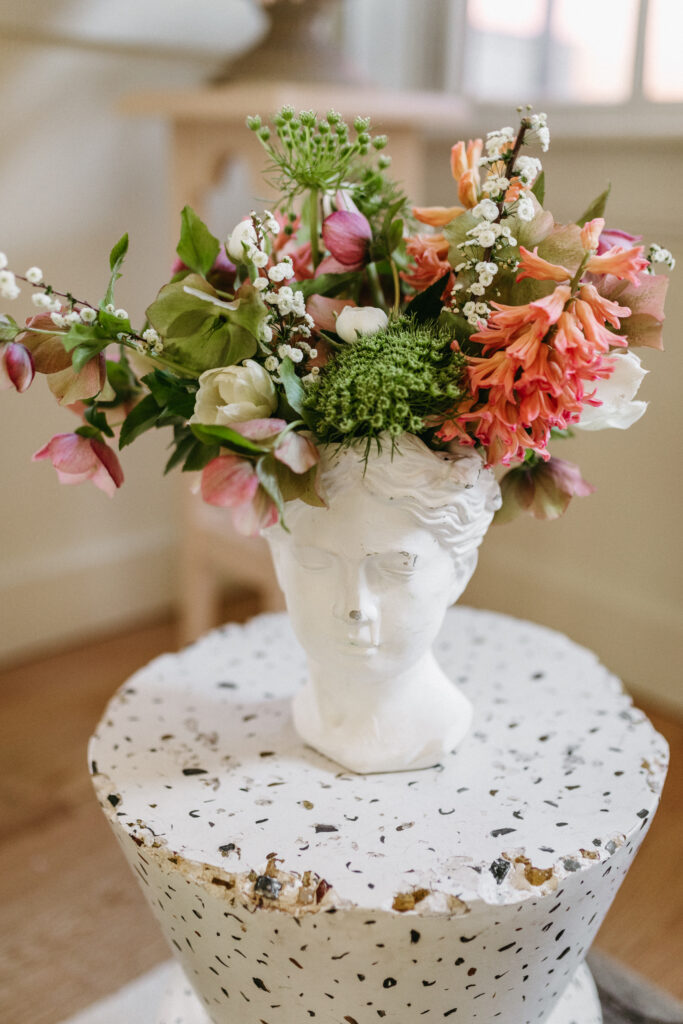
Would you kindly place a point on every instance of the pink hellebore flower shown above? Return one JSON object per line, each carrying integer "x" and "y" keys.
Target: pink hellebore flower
{"x": 612, "y": 238}
{"x": 347, "y": 236}
{"x": 231, "y": 482}
{"x": 544, "y": 490}
{"x": 16, "y": 366}
{"x": 78, "y": 459}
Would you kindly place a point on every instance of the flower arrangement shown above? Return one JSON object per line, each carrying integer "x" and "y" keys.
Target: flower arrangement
{"x": 344, "y": 316}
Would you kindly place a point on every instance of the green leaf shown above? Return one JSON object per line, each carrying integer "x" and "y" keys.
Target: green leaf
{"x": 266, "y": 470}
{"x": 294, "y": 389}
{"x": 427, "y": 305}
{"x": 299, "y": 485}
{"x": 197, "y": 247}
{"x": 116, "y": 258}
{"x": 88, "y": 431}
{"x": 113, "y": 324}
{"x": 8, "y": 328}
{"x": 395, "y": 235}
{"x": 325, "y": 284}
{"x": 182, "y": 449}
{"x": 118, "y": 253}
{"x": 82, "y": 354}
{"x": 86, "y": 334}
{"x": 141, "y": 418}
{"x": 596, "y": 208}
{"x": 96, "y": 418}
{"x": 538, "y": 187}
{"x": 200, "y": 455}
{"x": 210, "y": 434}
{"x": 121, "y": 378}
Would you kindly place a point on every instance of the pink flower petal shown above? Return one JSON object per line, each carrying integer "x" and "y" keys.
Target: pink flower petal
{"x": 228, "y": 481}
{"x": 331, "y": 265}
{"x": 19, "y": 365}
{"x": 108, "y": 462}
{"x": 323, "y": 310}
{"x": 257, "y": 430}
{"x": 297, "y": 452}
{"x": 254, "y": 516}
{"x": 347, "y": 236}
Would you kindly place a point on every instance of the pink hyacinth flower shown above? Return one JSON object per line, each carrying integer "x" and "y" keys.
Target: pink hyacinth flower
{"x": 77, "y": 459}
{"x": 347, "y": 236}
{"x": 16, "y": 367}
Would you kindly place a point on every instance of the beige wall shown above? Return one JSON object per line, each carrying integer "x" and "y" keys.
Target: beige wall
{"x": 609, "y": 573}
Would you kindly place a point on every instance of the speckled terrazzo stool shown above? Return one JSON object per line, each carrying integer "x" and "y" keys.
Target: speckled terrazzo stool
{"x": 290, "y": 890}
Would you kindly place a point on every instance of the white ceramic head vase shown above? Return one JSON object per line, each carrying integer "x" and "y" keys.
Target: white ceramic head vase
{"x": 367, "y": 583}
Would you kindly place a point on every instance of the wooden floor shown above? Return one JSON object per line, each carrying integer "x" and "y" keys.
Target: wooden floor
{"x": 73, "y": 926}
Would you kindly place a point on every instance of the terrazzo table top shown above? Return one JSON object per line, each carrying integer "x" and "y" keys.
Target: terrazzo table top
{"x": 197, "y": 754}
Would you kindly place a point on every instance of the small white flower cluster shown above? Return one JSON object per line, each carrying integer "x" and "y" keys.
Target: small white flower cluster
{"x": 248, "y": 240}
{"x": 657, "y": 254}
{"x": 287, "y": 321}
{"x": 47, "y": 302}
{"x": 9, "y": 289}
{"x": 153, "y": 342}
{"x": 527, "y": 169}
{"x": 489, "y": 235}
{"x": 497, "y": 143}
{"x": 472, "y": 310}
{"x": 538, "y": 130}
{"x": 524, "y": 207}
{"x": 495, "y": 185}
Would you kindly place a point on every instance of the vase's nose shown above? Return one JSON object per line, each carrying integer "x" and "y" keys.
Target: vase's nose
{"x": 355, "y": 602}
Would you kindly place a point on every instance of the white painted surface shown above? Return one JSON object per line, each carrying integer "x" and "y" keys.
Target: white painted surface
{"x": 367, "y": 583}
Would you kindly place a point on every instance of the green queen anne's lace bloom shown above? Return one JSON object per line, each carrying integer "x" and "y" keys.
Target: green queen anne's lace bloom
{"x": 391, "y": 381}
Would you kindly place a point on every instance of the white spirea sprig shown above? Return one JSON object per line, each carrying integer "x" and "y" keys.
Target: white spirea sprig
{"x": 658, "y": 254}
{"x": 9, "y": 289}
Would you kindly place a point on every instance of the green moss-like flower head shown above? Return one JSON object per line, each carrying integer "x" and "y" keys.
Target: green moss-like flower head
{"x": 389, "y": 382}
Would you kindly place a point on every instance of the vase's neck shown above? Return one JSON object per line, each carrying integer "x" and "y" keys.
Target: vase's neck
{"x": 345, "y": 697}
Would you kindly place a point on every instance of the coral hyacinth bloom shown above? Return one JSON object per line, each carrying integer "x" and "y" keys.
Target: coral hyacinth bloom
{"x": 626, "y": 264}
{"x": 429, "y": 263}
{"x": 534, "y": 266}
{"x": 437, "y": 216}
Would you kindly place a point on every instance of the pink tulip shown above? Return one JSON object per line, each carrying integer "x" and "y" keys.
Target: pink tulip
{"x": 347, "y": 236}
{"x": 78, "y": 459}
{"x": 16, "y": 366}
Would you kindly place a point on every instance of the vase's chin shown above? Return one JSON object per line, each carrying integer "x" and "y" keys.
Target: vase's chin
{"x": 397, "y": 732}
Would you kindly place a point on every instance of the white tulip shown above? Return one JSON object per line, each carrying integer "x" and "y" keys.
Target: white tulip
{"x": 616, "y": 395}
{"x": 243, "y": 233}
{"x": 356, "y": 320}
{"x": 234, "y": 394}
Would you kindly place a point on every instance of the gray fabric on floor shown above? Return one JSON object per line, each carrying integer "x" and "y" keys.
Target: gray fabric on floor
{"x": 628, "y": 999}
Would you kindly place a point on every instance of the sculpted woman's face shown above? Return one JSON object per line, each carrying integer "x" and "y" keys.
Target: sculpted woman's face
{"x": 365, "y": 584}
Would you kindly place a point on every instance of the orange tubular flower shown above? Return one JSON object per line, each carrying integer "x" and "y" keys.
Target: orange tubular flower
{"x": 437, "y": 216}
{"x": 590, "y": 233}
{"x": 465, "y": 170}
{"x": 429, "y": 264}
{"x": 534, "y": 266}
{"x": 625, "y": 264}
